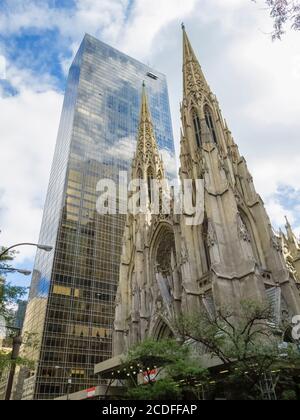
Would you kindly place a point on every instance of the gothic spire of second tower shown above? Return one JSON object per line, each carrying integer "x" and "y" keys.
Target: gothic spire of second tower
{"x": 147, "y": 158}
{"x": 194, "y": 82}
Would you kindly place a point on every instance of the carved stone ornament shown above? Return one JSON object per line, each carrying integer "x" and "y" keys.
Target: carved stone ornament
{"x": 238, "y": 198}
{"x": 242, "y": 229}
{"x": 195, "y": 84}
{"x": 275, "y": 241}
{"x": 184, "y": 251}
{"x": 211, "y": 234}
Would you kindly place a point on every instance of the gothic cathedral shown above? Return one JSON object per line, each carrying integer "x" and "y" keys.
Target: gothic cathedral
{"x": 170, "y": 266}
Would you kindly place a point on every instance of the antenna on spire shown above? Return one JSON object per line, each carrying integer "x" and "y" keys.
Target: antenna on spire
{"x": 144, "y": 84}
{"x": 182, "y": 26}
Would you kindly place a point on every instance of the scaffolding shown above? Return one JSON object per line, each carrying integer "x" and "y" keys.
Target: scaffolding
{"x": 267, "y": 386}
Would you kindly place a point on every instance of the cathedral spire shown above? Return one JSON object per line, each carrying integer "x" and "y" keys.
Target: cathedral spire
{"x": 193, "y": 77}
{"x": 290, "y": 234}
{"x": 147, "y": 159}
{"x": 145, "y": 112}
{"x": 288, "y": 225}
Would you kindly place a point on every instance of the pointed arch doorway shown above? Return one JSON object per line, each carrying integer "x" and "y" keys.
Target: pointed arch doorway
{"x": 165, "y": 278}
{"x": 162, "y": 331}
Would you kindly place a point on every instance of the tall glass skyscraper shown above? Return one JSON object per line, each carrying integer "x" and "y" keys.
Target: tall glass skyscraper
{"x": 71, "y": 302}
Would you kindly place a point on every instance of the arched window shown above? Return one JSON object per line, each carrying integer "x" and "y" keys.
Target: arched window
{"x": 209, "y": 123}
{"x": 206, "y": 244}
{"x": 194, "y": 192}
{"x": 249, "y": 232}
{"x": 139, "y": 174}
{"x": 149, "y": 181}
{"x": 197, "y": 128}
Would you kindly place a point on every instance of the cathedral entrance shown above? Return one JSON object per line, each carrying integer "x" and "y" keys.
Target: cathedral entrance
{"x": 162, "y": 331}
{"x": 164, "y": 263}
{"x": 165, "y": 277}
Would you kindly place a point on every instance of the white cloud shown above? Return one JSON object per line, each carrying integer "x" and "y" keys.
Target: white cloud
{"x": 170, "y": 164}
{"x": 27, "y": 14}
{"x": 275, "y": 171}
{"x": 108, "y": 19}
{"x": 2, "y": 67}
{"x": 29, "y": 123}
{"x": 277, "y": 213}
{"x": 276, "y": 98}
{"x": 272, "y": 173}
{"x": 106, "y": 16}
{"x": 148, "y": 19}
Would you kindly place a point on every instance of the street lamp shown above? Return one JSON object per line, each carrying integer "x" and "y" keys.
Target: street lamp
{"x": 24, "y": 272}
{"x": 68, "y": 374}
{"x": 16, "y": 270}
{"x": 46, "y": 248}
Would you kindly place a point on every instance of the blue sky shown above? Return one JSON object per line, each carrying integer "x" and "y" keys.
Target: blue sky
{"x": 38, "y": 49}
{"x": 256, "y": 82}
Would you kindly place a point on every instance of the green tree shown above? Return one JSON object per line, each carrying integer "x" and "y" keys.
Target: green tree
{"x": 9, "y": 294}
{"x": 171, "y": 371}
{"x": 28, "y": 341}
{"x": 247, "y": 343}
{"x": 9, "y": 297}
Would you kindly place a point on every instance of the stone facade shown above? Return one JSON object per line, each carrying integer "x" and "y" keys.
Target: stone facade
{"x": 291, "y": 251}
{"x": 170, "y": 266}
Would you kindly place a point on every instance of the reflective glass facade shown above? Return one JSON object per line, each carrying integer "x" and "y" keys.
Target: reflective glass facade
{"x": 71, "y": 304}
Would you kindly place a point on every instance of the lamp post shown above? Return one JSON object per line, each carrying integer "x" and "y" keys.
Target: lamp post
{"x": 17, "y": 341}
{"x": 46, "y": 248}
{"x": 68, "y": 375}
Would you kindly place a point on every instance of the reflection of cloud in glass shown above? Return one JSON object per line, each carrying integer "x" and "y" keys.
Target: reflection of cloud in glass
{"x": 43, "y": 287}
{"x": 39, "y": 285}
{"x": 118, "y": 113}
{"x": 129, "y": 67}
{"x": 124, "y": 149}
